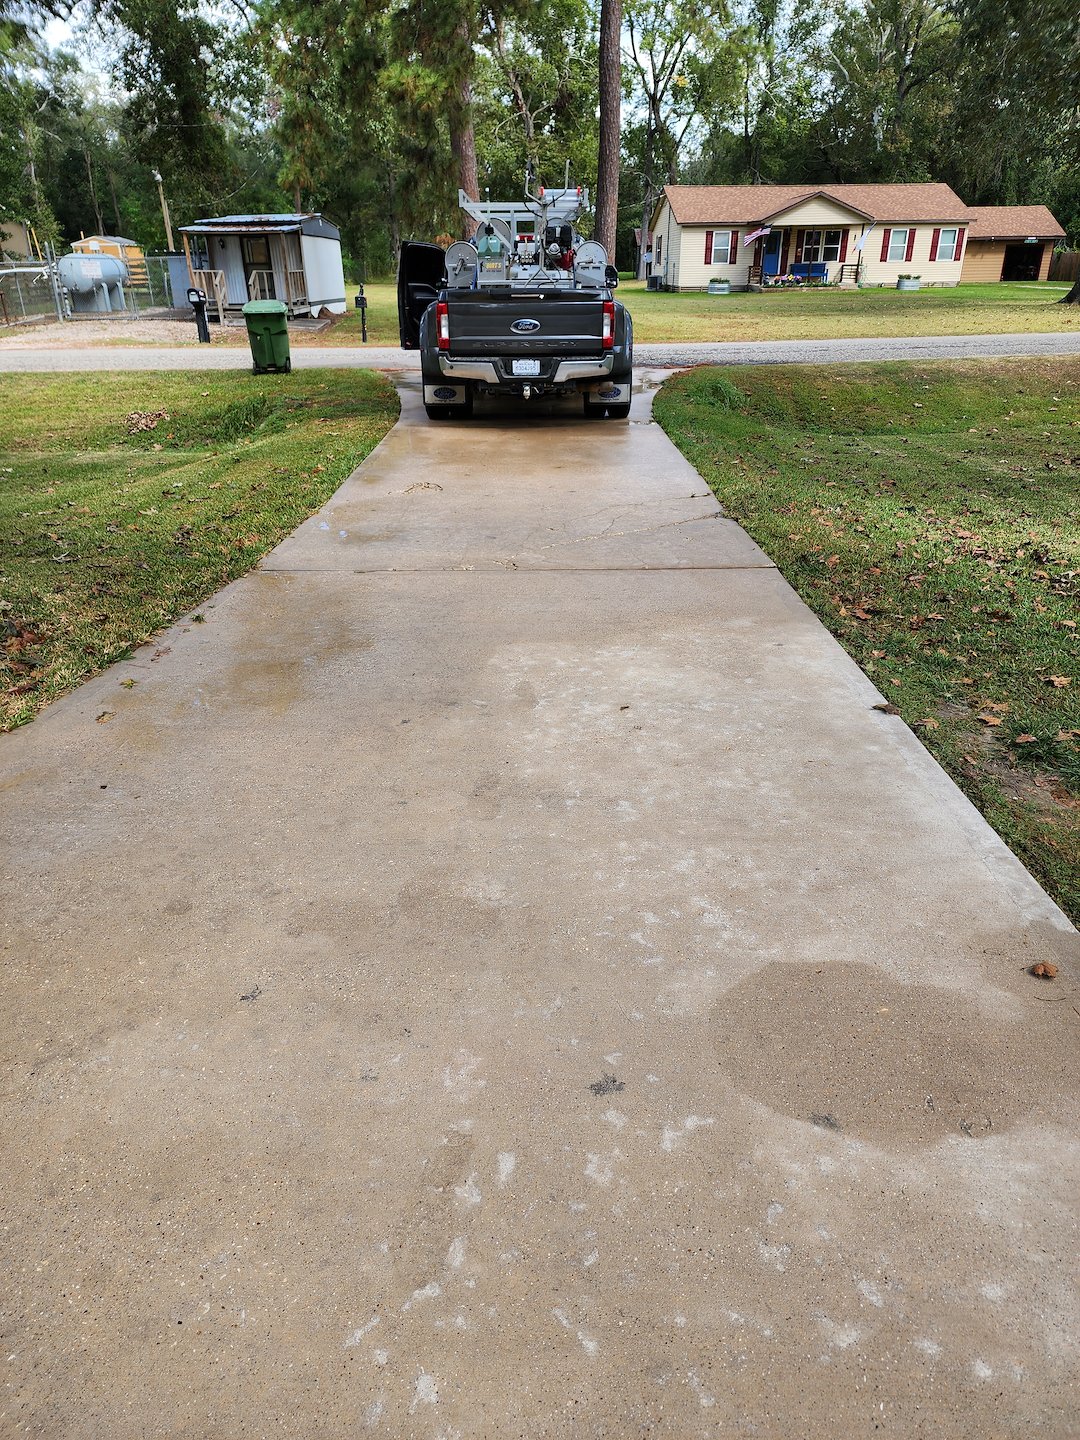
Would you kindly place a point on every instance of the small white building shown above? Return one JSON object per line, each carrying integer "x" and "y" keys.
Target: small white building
{"x": 294, "y": 258}
{"x": 857, "y": 234}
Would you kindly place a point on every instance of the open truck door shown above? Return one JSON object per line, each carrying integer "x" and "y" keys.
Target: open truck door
{"x": 421, "y": 268}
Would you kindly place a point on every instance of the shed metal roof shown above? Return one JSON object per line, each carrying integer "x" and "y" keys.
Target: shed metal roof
{"x": 247, "y": 224}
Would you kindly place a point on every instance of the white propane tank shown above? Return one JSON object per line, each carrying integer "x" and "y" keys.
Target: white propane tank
{"x": 94, "y": 282}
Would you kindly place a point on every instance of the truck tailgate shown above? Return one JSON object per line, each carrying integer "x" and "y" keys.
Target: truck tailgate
{"x": 480, "y": 324}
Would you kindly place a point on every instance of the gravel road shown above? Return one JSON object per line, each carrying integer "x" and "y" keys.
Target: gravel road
{"x": 671, "y": 356}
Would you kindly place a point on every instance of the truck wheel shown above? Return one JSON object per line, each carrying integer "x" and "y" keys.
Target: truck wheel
{"x": 592, "y": 410}
{"x": 619, "y": 412}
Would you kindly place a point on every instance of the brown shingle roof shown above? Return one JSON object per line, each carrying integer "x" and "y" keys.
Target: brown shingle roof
{"x": 746, "y": 204}
{"x": 1013, "y": 222}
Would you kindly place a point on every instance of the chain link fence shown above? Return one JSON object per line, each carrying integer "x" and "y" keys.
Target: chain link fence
{"x": 29, "y": 293}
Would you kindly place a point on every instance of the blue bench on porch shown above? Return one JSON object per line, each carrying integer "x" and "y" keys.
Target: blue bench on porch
{"x": 811, "y": 270}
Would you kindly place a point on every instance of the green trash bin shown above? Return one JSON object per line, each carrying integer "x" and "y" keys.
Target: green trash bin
{"x": 268, "y": 333}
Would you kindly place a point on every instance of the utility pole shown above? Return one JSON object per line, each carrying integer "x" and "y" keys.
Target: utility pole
{"x": 164, "y": 210}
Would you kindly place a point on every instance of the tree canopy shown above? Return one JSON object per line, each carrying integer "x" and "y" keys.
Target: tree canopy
{"x": 376, "y": 112}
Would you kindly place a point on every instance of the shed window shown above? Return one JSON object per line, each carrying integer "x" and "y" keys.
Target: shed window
{"x": 897, "y": 245}
{"x": 821, "y": 245}
{"x": 946, "y": 245}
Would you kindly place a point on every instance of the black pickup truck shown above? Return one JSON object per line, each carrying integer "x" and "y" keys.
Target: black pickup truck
{"x": 526, "y": 312}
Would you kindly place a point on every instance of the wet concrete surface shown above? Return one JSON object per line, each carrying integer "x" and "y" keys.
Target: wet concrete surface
{"x": 519, "y": 986}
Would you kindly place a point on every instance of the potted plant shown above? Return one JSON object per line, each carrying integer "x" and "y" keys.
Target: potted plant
{"x": 719, "y": 286}
{"x": 908, "y": 282}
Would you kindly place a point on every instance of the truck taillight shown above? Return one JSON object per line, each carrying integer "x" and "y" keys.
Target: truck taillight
{"x": 609, "y": 325}
{"x": 442, "y": 324}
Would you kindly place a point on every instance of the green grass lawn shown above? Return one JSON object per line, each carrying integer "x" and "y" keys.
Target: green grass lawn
{"x": 786, "y": 314}
{"x": 109, "y": 531}
{"x": 928, "y": 514}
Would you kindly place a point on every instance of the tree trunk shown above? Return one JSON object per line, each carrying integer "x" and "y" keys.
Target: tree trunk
{"x": 607, "y": 160}
{"x": 93, "y": 193}
{"x": 115, "y": 204}
{"x": 463, "y": 135}
{"x": 1073, "y": 297}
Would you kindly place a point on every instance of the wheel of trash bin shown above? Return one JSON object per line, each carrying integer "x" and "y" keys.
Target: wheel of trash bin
{"x": 288, "y": 364}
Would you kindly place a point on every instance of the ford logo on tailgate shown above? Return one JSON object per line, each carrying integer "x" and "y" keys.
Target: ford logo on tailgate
{"x": 525, "y": 327}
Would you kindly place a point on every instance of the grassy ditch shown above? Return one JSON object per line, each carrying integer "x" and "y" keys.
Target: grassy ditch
{"x": 928, "y": 514}
{"x": 114, "y": 519}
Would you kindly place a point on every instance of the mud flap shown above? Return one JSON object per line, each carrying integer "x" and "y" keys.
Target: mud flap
{"x": 445, "y": 394}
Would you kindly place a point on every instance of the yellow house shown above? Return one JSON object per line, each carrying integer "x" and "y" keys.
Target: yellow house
{"x": 125, "y": 250}
{"x": 850, "y": 234}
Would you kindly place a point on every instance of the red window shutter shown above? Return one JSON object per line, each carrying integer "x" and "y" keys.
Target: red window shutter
{"x": 886, "y": 236}
{"x": 800, "y": 236}
{"x": 708, "y": 247}
{"x": 733, "y": 252}
{"x": 910, "y": 243}
{"x": 934, "y": 239}
{"x": 843, "y": 245}
{"x": 959, "y": 244}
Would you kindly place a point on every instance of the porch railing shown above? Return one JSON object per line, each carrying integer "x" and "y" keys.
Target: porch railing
{"x": 296, "y": 286}
{"x": 213, "y": 283}
{"x": 261, "y": 285}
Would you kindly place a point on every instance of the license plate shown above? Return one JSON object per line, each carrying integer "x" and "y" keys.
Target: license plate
{"x": 526, "y": 367}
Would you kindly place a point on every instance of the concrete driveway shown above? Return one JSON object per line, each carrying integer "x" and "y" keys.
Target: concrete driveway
{"x": 500, "y": 976}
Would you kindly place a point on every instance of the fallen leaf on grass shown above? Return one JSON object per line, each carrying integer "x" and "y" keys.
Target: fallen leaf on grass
{"x": 833, "y": 561}
{"x": 886, "y": 708}
{"x": 1024, "y": 740}
{"x": 1059, "y": 681}
{"x": 990, "y": 719}
{"x": 929, "y": 723}
{"x": 1043, "y": 970}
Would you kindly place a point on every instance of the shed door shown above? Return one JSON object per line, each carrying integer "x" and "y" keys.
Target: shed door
{"x": 255, "y": 250}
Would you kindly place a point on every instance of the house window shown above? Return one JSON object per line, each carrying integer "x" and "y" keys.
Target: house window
{"x": 720, "y": 248}
{"x": 659, "y": 249}
{"x": 897, "y": 245}
{"x": 821, "y": 245}
{"x": 946, "y": 245}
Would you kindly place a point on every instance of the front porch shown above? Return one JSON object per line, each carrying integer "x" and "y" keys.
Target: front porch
{"x": 787, "y": 254}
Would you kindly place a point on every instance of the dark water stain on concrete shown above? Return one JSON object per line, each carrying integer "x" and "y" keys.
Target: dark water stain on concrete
{"x": 847, "y": 1048}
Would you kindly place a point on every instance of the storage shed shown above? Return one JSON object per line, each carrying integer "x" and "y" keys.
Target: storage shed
{"x": 1010, "y": 242}
{"x": 295, "y": 258}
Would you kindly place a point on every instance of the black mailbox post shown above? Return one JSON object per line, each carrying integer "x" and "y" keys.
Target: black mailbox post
{"x": 197, "y": 301}
{"x": 361, "y": 304}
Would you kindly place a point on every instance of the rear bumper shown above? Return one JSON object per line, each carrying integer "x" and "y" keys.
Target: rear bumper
{"x": 552, "y": 372}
